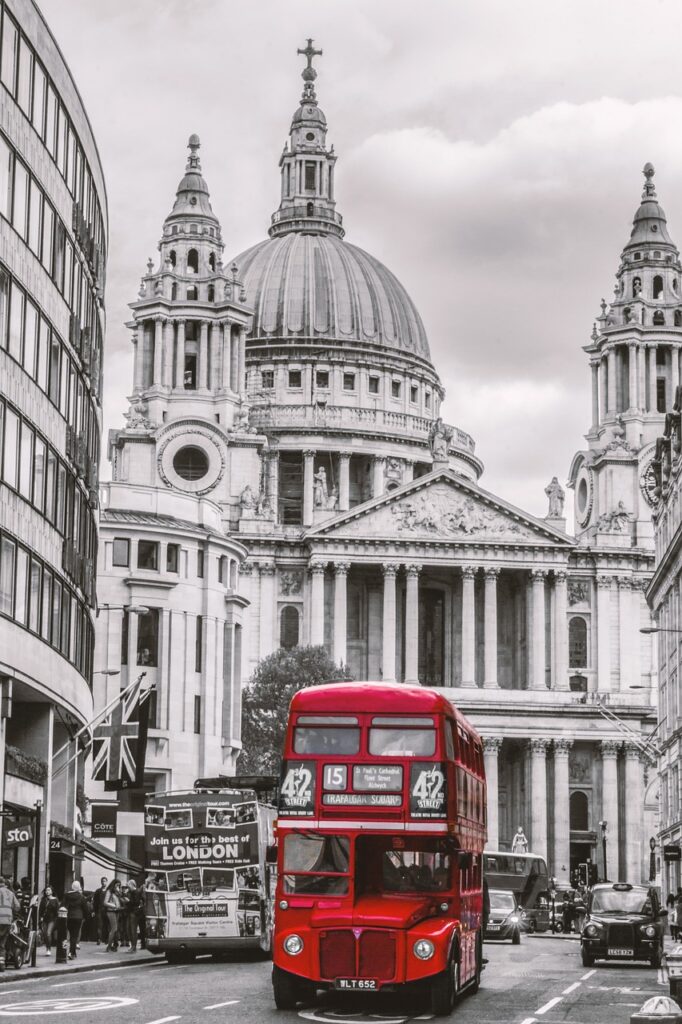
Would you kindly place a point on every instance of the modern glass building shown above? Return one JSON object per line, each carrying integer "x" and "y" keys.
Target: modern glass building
{"x": 53, "y": 243}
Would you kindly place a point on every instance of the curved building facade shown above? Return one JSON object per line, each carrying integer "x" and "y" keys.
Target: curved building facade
{"x": 53, "y": 240}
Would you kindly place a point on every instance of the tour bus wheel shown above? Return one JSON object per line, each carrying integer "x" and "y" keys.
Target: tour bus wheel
{"x": 287, "y": 989}
{"x": 587, "y": 958}
{"x": 445, "y": 987}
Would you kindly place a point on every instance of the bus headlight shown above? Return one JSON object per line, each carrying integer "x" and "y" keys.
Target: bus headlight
{"x": 424, "y": 949}
{"x": 283, "y": 905}
{"x": 293, "y": 944}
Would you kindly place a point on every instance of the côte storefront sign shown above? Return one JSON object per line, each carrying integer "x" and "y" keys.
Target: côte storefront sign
{"x": 103, "y": 820}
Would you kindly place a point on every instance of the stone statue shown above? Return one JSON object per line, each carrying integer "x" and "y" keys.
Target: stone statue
{"x": 519, "y": 842}
{"x": 439, "y": 439}
{"x": 320, "y": 493}
{"x": 246, "y": 498}
{"x": 557, "y": 496}
{"x": 136, "y": 416}
{"x": 333, "y": 499}
{"x": 616, "y": 521}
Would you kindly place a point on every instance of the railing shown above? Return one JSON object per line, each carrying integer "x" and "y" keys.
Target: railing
{"x": 339, "y": 416}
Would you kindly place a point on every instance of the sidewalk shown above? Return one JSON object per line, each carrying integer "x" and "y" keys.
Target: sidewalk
{"x": 90, "y": 957}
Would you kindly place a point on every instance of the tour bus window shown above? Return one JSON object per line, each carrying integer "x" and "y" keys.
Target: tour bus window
{"x": 327, "y": 736}
{"x": 402, "y": 737}
{"x": 316, "y": 864}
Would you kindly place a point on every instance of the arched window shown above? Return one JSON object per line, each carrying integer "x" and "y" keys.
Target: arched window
{"x": 577, "y": 643}
{"x": 288, "y": 627}
{"x": 310, "y": 209}
{"x": 192, "y": 262}
{"x": 659, "y": 319}
{"x": 222, "y": 569}
{"x": 658, "y": 286}
{"x": 579, "y": 813}
{"x": 192, "y": 293}
{"x": 174, "y": 291}
{"x": 678, "y": 318}
{"x": 211, "y": 261}
{"x": 172, "y": 257}
{"x": 636, "y": 287}
{"x": 211, "y": 293}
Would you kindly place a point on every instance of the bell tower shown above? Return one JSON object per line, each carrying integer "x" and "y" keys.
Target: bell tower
{"x": 634, "y": 355}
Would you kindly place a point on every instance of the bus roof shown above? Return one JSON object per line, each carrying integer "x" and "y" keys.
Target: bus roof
{"x": 368, "y": 697}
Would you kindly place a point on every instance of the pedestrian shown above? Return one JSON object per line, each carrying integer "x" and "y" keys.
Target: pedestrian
{"x": 99, "y": 911}
{"x": 77, "y": 911}
{"x": 48, "y": 908}
{"x": 112, "y": 905}
{"x": 672, "y": 921}
{"x": 133, "y": 908}
{"x": 9, "y": 909}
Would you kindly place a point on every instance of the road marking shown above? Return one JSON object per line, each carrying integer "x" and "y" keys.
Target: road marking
{"x": 571, "y": 988}
{"x": 163, "y": 1020}
{"x": 588, "y": 975}
{"x": 90, "y": 981}
{"x": 529, "y": 1020}
{"x": 549, "y": 1005}
{"x": 217, "y": 1006}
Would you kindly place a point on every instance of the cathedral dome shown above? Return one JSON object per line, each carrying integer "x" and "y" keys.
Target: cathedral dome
{"x": 318, "y": 286}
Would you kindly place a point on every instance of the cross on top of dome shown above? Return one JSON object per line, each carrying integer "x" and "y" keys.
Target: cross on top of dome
{"x": 649, "y": 188}
{"x": 309, "y": 74}
{"x": 193, "y": 161}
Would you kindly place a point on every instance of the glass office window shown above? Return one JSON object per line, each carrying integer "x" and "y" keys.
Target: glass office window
{"x": 39, "y": 474}
{"x": 56, "y": 611}
{"x": 48, "y": 232}
{"x": 21, "y": 587}
{"x": 43, "y": 353}
{"x": 16, "y": 321}
{"x": 10, "y": 39}
{"x": 7, "y": 552}
{"x": 50, "y": 484}
{"x": 30, "y": 338}
{"x": 4, "y": 307}
{"x": 55, "y": 366}
{"x": 46, "y": 617}
{"x": 6, "y": 159}
{"x": 34, "y": 597}
{"x": 10, "y": 466}
{"x": 39, "y": 89}
{"x": 51, "y": 119}
{"x": 26, "y": 461}
{"x": 20, "y": 204}
{"x": 25, "y": 78}
{"x": 35, "y": 217}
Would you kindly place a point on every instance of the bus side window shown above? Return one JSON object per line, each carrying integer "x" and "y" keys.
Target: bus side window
{"x": 449, "y": 745}
{"x": 465, "y": 871}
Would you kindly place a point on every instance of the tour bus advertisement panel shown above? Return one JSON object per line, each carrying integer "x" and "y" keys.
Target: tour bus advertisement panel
{"x": 205, "y": 866}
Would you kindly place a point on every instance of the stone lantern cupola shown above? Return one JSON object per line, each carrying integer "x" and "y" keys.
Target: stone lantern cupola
{"x": 307, "y": 167}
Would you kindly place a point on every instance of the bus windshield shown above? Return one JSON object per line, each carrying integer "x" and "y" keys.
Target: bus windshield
{"x": 316, "y": 864}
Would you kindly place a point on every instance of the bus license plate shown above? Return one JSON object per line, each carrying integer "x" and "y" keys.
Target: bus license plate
{"x": 621, "y": 952}
{"x": 362, "y": 984}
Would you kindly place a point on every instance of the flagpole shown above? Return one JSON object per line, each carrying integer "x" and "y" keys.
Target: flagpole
{"x": 100, "y": 714}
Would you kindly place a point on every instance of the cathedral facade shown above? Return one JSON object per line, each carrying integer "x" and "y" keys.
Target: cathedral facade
{"x": 286, "y": 419}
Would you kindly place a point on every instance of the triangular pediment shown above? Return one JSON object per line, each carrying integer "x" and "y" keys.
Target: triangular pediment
{"x": 441, "y": 507}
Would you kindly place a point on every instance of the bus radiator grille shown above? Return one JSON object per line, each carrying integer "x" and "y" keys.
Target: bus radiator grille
{"x": 377, "y": 955}
{"x": 337, "y": 954}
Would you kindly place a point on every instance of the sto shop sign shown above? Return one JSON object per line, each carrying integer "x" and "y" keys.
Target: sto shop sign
{"x": 17, "y": 832}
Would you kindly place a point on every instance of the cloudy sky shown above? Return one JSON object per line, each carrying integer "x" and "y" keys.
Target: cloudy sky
{"x": 490, "y": 154}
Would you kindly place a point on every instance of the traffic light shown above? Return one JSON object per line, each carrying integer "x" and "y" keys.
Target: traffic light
{"x": 587, "y": 873}
{"x": 583, "y": 874}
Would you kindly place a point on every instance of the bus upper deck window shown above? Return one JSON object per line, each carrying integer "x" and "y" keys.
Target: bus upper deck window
{"x": 338, "y": 735}
{"x": 402, "y": 737}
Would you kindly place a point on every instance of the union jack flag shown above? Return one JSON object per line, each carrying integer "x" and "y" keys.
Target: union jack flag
{"x": 119, "y": 742}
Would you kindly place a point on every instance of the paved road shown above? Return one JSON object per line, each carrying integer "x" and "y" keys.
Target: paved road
{"x": 539, "y": 982}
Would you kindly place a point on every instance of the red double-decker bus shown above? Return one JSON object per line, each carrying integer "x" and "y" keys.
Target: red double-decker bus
{"x": 380, "y": 834}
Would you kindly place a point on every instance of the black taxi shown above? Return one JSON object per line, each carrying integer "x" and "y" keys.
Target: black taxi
{"x": 622, "y": 922}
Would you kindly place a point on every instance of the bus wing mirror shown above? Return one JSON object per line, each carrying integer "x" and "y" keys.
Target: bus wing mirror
{"x": 271, "y": 854}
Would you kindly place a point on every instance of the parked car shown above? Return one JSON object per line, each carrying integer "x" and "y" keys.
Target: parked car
{"x": 505, "y": 921}
{"x": 622, "y": 922}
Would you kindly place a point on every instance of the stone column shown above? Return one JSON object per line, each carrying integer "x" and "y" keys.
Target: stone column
{"x": 412, "y": 624}
{"x": 560, "y": 681}
{"x": 308, "y": 473}
{"x": 609, "y": 804}
{"x": 633, "y": 814}
{"x": 168, "y": 354}
{"x": 241, "y": 383}
{"x": 491, "y": 749}
{"x": 234, "y": 360}
{"x": 273, "y": 482}
{"x": 214, "y": 356}
{"x": 344, "y": 481}
{"x": 603, "y": 391}
{"x": 267, "y": 608}
{"x": 490, "y": 628}
{"x": 594, "y": 366}
{"x": 341, "y": 570}
{"x": 625, "y": 637}
{"x": 603, "y": 634}
{"x": 203, "y": 356}
{"x": 132, "y": 645}
{"x": 388, "y": 651}
{"x": 158, "y": 350}
{"x": 138, "y": 349}
{"x": 378, "y": 476}
{"x": 636, "y": 587}
{"x": 562, "y": 838}
{"x": 539, "y": 681}
{"x": 652, "y": 378}
{"x": 180, "y": 355}
{"x": 316, "y": 570}
{"x": 612, "y": 390}
{"x": 226, "y": 357}
{"x": 674, "y": 371}
{"x": 642, "y": 377}
{"x": 468, "y": 626}
{"x": 633, "y": 397}
{"x": 538, "y": 786}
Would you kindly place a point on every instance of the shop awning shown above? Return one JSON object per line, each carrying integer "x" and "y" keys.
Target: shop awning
{"x": 107, "y": 858}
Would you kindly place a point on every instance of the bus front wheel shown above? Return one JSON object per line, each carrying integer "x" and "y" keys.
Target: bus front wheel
{"x": 288, "y": 990}
{"x": 445, "y": 987}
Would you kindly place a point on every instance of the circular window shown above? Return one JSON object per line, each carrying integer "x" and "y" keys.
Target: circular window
{"x": 191, "y": 463}
{"x": 310, "y": 136}
{"x": 582, "y": 495}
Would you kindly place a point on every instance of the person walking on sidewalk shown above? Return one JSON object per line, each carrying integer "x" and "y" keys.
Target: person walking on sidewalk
{"x": 100, "y": 911}
{"x": 133, "y": 908}
{"x": 77, "y": 911}
{"x": 9, "y": 908}
{"x": 112, "y": 905}
{"x": 48, "y": 908}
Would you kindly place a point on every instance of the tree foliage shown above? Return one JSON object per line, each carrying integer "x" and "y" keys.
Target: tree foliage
{"x": 266, "y": 698}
